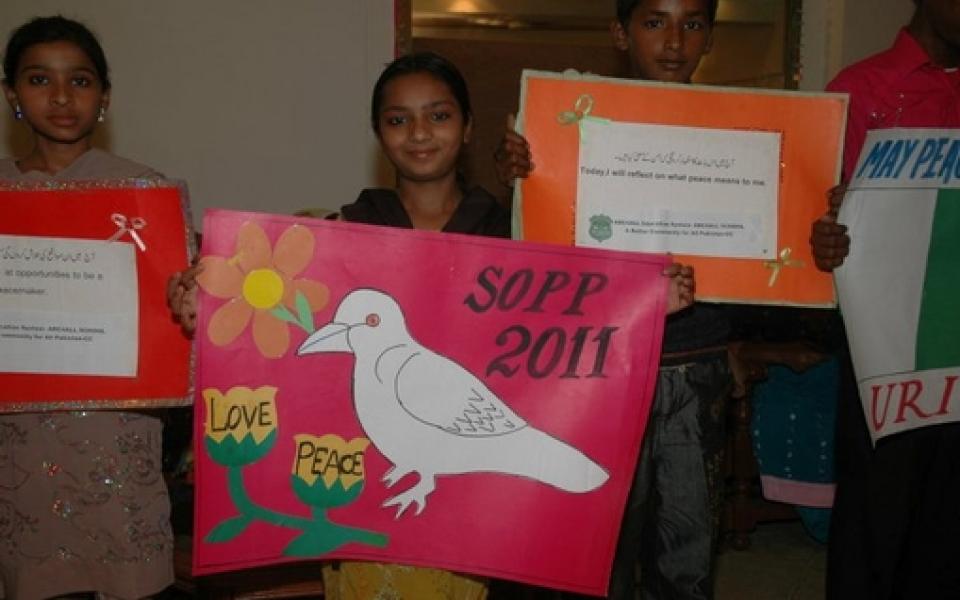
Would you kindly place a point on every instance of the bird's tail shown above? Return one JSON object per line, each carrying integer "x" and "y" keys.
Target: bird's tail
{"x": 556, "y": 463}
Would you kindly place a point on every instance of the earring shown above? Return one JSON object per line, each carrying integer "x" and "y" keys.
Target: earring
{"x": 102, "y": 114}
{"x": 17, "y": 113}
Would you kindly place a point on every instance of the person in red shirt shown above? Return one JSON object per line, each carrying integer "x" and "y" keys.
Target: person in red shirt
{"x": 915, "y": 83}
{"x": 896, "y": 519}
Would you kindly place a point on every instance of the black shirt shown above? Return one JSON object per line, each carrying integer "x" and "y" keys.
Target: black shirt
{"x": 478, "y": 213}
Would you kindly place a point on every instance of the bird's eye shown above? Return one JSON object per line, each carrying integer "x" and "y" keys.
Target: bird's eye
{"x": 373, "y": 319}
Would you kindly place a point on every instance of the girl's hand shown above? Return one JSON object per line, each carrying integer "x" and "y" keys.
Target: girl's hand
{"x": 513, "y": 158}
{"x": 682, "y": 287}
{"x": 182, "y": 299}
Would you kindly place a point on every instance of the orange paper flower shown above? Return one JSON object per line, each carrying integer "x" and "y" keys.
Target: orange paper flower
{"x": 260, "y": 283}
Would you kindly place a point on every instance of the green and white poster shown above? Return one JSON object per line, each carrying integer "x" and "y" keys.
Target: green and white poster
{"x": 899, "y": 288}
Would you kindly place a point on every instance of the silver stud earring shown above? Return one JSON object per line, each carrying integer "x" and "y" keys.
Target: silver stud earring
{"x": 17, "y": 113}
{"x": 102, "y": 114}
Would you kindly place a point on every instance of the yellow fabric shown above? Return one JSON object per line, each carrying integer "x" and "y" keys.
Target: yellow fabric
{"x": 355, "y": 580}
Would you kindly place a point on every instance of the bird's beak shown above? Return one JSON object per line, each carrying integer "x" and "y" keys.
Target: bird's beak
{"x": 332, "y": 337}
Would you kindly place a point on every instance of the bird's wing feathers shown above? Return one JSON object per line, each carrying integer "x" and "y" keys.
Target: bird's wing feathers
{"x": 439, "y": 392}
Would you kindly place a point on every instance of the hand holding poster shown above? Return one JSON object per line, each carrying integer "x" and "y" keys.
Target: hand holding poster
{"x": 898, "y": 287}
{"x": 455, "y": 402}
{"x": 83, "y": 270}
{"x": 726, "y": 179}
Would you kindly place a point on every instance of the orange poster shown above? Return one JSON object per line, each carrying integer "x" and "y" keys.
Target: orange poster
{"x": 726, "y": 179}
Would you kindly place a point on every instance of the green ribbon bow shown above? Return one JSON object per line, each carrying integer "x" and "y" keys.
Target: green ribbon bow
{"x": 580, "y": 113}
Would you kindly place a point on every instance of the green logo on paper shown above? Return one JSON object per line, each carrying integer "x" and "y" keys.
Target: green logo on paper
{"x": 601, "y": 227}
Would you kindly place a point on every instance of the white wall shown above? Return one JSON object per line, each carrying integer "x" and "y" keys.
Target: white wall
{"x": 258, "y": 105}
{"x": 837, "y": 33}
{"x": 870, "y": 26}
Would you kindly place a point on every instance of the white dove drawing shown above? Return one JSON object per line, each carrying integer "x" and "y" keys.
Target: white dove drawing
{"x": 427, "y": 414}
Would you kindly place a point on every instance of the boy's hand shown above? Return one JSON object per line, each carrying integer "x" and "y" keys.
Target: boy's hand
{"x": 830, "y": 243}
{"x": 829, "y": 239}
{"x": 513, "y": 158}
{"x": 182, "y": 299}
{"x": 835, "y": 198}
{"x": 682, "y": 287}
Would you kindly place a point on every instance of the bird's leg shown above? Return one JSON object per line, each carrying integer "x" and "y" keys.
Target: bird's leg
{"x": 395, "y": 474}
{"x": 418, "y": 493}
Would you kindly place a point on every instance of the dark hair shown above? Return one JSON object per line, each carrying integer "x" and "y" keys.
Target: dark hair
{"x": 421, "y": 62}
{"x": 42, "y": 30}
{"x": 625, "y": 10}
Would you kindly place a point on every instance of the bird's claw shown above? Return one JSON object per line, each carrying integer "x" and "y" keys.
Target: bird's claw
{"x": 417, "y": 494}
{"x": 404, "y": 500}
{"x": 393, "y": 475}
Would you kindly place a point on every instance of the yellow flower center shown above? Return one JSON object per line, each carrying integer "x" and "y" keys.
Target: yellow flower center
{"x": 263, "y": 288}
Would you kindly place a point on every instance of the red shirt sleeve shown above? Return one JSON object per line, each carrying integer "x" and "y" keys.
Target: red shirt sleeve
{"x": 858, "y": 117}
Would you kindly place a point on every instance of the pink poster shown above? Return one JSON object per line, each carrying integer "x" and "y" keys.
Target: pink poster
{"x": 380, "y": 394}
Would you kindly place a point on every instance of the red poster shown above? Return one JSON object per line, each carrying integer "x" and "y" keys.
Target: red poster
{"x": 58, "y": 252}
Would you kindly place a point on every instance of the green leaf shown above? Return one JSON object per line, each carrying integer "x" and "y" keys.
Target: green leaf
{"x": 229, "y": 453}
{"x": 318, "y": 495}
{"x": 310, "y": 544}
{"x": 281, "y": 312}
{"x": 323, "y": 537}
{"x": 306, "y": 316}
{"x": 227, "y": 530}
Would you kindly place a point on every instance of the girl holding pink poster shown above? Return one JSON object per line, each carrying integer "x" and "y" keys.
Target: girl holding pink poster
{"x": 421, "y": 114}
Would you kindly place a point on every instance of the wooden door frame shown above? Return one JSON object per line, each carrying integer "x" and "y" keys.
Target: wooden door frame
{"x": 403, "y": 28}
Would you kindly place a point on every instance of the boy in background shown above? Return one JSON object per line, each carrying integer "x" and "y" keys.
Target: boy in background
{"x": 672, "y": 517}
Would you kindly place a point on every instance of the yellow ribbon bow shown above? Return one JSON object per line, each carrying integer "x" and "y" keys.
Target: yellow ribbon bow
{"x": 783, "y": 261}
